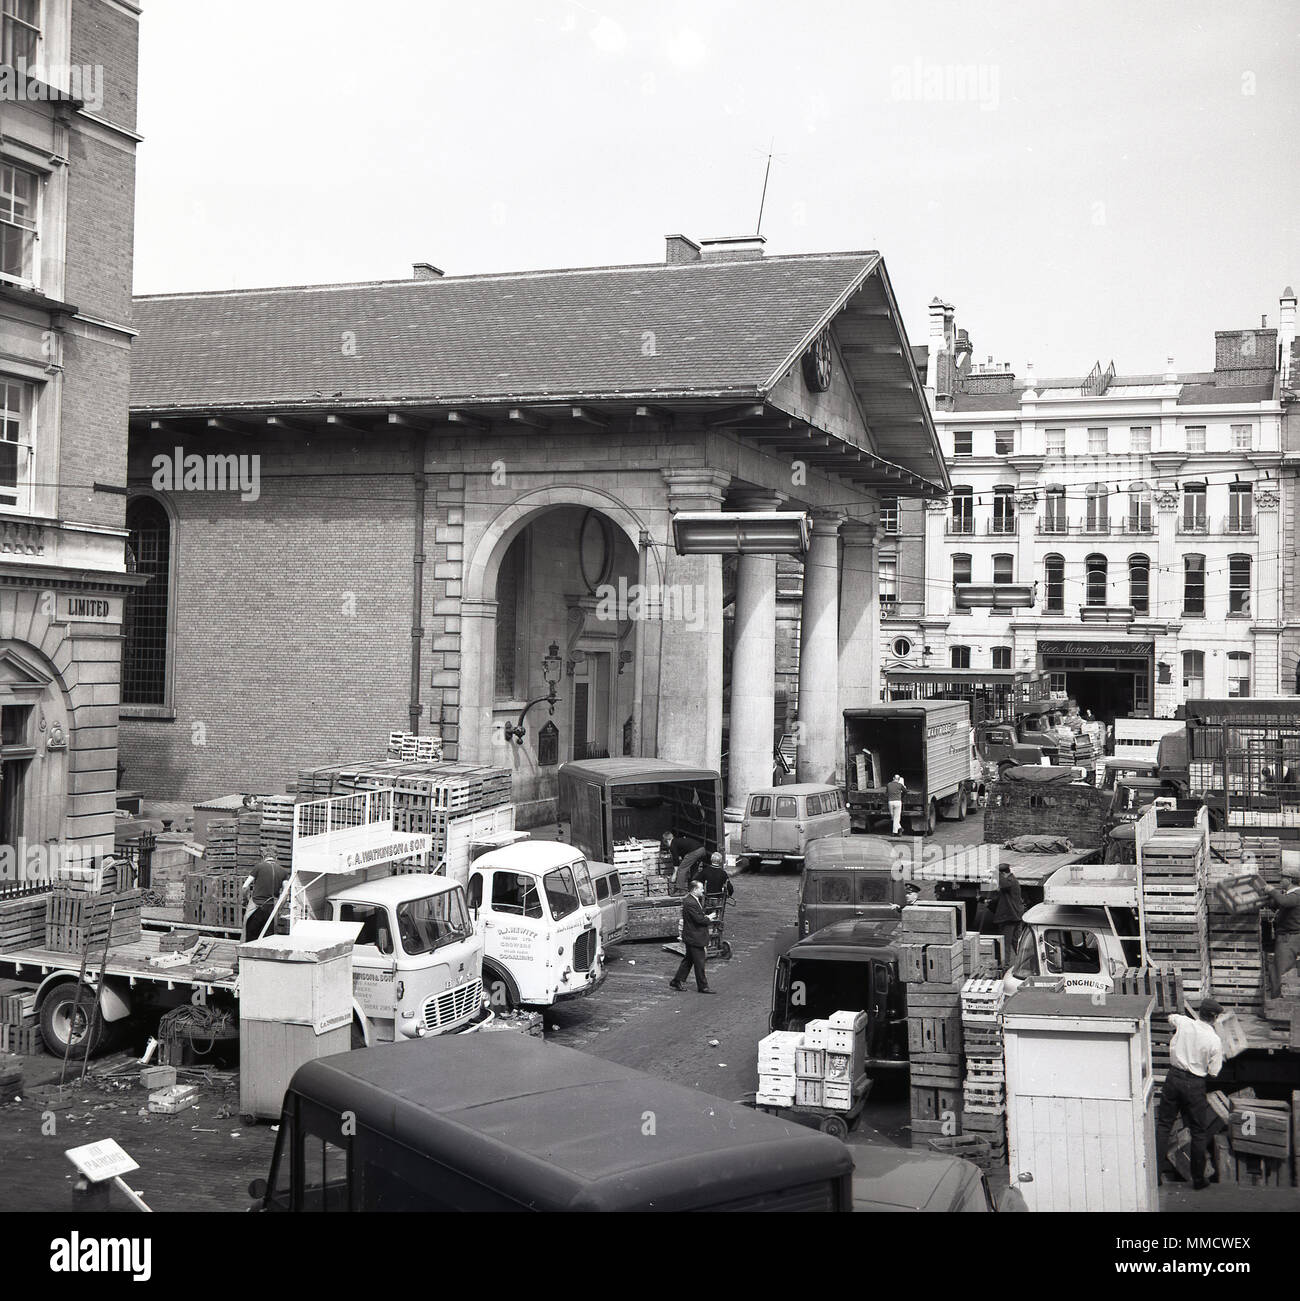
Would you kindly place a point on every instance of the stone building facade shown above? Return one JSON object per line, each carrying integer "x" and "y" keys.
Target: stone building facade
{"x": 67, "y": 181}
{"x": 1123, "y": 533}
{"x": 466, "y": 493}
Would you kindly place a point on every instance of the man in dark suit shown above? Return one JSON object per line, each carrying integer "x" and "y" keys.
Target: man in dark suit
{"x": 695, "y": 935}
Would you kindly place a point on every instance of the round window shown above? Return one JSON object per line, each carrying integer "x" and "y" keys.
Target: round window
{"x": 902, "y": 647}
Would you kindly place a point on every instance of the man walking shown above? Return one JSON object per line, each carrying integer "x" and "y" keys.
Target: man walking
{"x": 1008, "y": 911}
{"x": 695, "y": 935}
{"x": 1286, "y": 927}
{"x": 1195, "y": 1054}
{"x": 894, "y": 793}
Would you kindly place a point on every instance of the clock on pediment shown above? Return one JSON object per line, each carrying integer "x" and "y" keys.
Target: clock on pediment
{"x": 817, "y": 362}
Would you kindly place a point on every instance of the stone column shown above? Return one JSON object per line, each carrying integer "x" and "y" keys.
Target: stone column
{"x": 821, "y": 727}
{"x": 1266, "y": 597}
{"x": 1165, "y": 597}
{"x": 689, "y": 613}
{"x": 478, "y": 633}
{"x": 859, "y": 631}
{"x": 753, "y": 670}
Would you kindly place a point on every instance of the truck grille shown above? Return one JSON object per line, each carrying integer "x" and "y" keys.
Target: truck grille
{"x": 584, "y": 951}
{"x": 442, "y": 1010}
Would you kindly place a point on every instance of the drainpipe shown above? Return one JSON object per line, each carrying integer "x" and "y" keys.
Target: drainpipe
{"x": 417, "y": 580}
{"x": 638, "y": 649}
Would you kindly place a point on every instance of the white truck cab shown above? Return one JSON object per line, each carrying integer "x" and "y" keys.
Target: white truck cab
{"x": 537, "y": 911}
{"x": 417, "y": 963}
{"x": 1085, "y": 930}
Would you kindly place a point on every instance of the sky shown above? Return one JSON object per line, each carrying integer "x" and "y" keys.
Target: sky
{"x": 1083, "y": 182}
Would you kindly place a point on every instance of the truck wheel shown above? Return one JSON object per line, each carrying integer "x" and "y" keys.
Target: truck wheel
{"x": 835, "y": 1126}
{"x": 82, "y": 1035}
{"x": 962, "y": 798}
{"x": 358, "y": 1034}
{"x": 500, "y": 993}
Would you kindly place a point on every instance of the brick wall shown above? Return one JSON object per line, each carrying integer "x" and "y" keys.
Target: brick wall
{"x": 96, "y": 395}
{"x": 293, "y": 619}
{"x": 108, "y": 37}
{"x": 101, "y": 216}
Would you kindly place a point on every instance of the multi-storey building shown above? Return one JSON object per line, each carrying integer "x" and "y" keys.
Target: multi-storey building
{"x": 1121, "y": 533}
{"x": 67, "y": 182}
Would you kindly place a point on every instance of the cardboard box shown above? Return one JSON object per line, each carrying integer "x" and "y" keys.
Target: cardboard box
{"x": 167, "y": 1102}
{"x": 158, "y": 1077}
{"x": 774, "y": 1099}
{"x": 815, "y": 1034}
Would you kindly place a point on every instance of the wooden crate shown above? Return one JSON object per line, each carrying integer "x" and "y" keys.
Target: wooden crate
{"x": 932, "y": 923}
{"x": 945, "y": 964}
{"x": 911, "y": 962}
{"x": 934, "y": 1104}
{"x": 72, "y": 921}
{"x": 22, "y": 921}
{"x": 939, "y": 1033}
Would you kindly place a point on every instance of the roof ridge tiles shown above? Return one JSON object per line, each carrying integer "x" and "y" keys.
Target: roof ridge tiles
{"x": 481, "y": 276}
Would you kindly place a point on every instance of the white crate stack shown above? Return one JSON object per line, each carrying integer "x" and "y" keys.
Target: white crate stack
{"x": 637, "y": 862}
{"x": 984, "y": 1089}
{"x": 822, "y": 1066}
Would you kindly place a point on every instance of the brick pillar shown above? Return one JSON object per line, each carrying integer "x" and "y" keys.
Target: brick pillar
{"x": 689, "y": 728}
{"x": 820, "y": 726}
{"x": 472, "y": 736}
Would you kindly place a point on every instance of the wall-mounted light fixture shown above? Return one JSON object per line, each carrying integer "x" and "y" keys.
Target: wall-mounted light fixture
{"x": 551, "y": 666}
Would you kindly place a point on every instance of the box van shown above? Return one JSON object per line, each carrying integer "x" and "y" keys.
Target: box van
{"x": 504, "y": 1122}
{"x": 610, "y": 901}
{"x": 536, "y": 908}
{"x": 780, "y": 823}
{"x": 847, "y": 877}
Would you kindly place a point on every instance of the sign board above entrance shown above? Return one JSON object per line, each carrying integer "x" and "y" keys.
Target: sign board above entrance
{"x": 1109, "y": 648}
{"x": 89, "y": 609}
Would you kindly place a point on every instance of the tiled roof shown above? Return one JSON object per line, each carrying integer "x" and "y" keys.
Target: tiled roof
{"x": 1195, "y": 389}
{"x": 693, "y": 329}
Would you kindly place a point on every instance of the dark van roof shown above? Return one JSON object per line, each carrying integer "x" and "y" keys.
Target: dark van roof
{"x": 857, "y": 939}
{"x": 635, "y": 770}
{"x": 873, "y": 852}
{"x": 556, "y": 1129}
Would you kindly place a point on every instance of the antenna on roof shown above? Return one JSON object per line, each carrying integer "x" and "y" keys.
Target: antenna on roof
{"x": 767, "y": 171}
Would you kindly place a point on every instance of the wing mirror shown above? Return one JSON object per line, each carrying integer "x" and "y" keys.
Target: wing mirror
{"x": 257, "y": 1189}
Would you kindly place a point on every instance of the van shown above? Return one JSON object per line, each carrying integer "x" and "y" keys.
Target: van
{"x": 504, "y": 1122}
{"x": 536, "y": 909}
{"x": 780, "y": 823}
{"x": 847, "y": 877}
{"x": 610, "y": 901}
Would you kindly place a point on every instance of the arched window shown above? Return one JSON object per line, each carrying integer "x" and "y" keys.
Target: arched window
{"x": 1139, "y": 584}
{"x": 1193, "y": 674}
{"x": 1054, "y": 584}
{"x": 1139, "y": 507}
{"x": 960, "y": 570}
{"x": 1095, "y": 567}
{"x": 145, "y": 622}
{"x": 963, "y": 511}
{"x": 1001, "y": 657}
{"x": 1004, "y": 569}
{"x": 960, "y": 656}
{"x": 1095, "y": 499}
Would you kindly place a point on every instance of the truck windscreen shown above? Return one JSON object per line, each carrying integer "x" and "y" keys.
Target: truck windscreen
{"x": 428, "y": 924}
{"x": 561, "y": 892}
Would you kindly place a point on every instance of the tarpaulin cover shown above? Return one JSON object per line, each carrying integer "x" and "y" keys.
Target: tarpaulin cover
{"x": 1039, "y": 845}
{"x": 1041, "y": 773}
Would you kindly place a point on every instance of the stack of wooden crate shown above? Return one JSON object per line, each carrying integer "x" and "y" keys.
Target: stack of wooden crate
{"x": 637, "y": 862}
{"x": 20, "y": 1030}
{"x": 214, "y": 899}
{"x": 1263, "y": 854}
{"x": 248, "y": 839}
{"x": 407, "y": 745}
{"x": 73, "y": 920}
{"x": 275, "y": 835}
{"x": 1174, "y": 879}
{"x": 22, "y": 921}
{"x": 932, "y": 964}
{"x": 984, "y": 1106}
{"x": 1237, "y": 959}
{"x": 1260, "y": 1143}
{"x": 222, "y": 847}
{"x": 1165, "y": 984}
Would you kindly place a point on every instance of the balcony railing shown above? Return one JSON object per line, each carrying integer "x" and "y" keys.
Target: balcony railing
{"x": 1097, "y": 527}
{"x": 1002, "y": 527}
{"x": 961, "y": 527}
{"x": 1201, "y": 525}
{"x": 1137, "y": 524}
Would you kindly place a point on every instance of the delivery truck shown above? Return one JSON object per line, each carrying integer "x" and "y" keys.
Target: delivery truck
{"x": 926, "y": 742}
{"x": 417, "y": 970}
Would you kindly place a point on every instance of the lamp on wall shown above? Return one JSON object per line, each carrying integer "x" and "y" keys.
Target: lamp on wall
{"x": 551, "y": 667}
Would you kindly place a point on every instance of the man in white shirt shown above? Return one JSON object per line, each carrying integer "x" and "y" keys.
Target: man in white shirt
{"x": 1195, "y": 1054}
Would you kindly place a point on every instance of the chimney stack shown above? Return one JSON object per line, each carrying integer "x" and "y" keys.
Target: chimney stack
{"x": 936, "y": 345}
{"x": 1171, "y": 375}
{"x": 1286, "y": 330}
{"x": 732, "y": 248}
{"x": 425, "y": 271}
{"x": 680, "y": 249}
